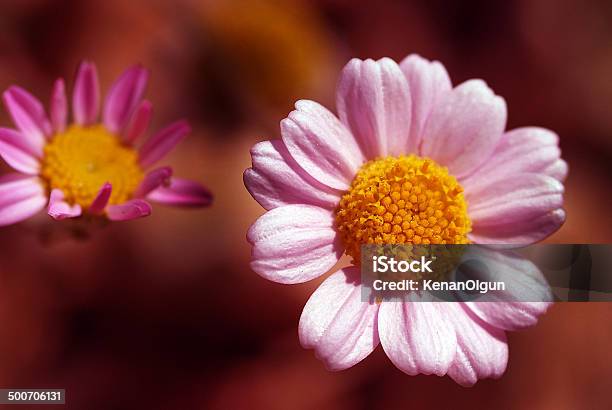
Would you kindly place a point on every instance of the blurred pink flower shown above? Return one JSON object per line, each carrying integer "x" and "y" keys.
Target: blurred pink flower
{"x": 410, "y": 160}
{"x": 89, "y": 166}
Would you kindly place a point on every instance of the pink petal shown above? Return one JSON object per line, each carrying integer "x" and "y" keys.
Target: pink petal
{"x": 520, "y": 209}
{"x": 133, "y": 209}
{"x": 429, "y": 83}
{"x": 557, "y": 170}
{"x": 464, "y": 127}
{"x": 321, "y": 145}
{"x": 59, "y": 209}
{"x": 86, "y": 95}
{"x": 16, "y": 186}
{"x": 154, "y": 179}
{"x": 139, "y": 122}
{"x": 59, "y": 106}
{"x": 123, "y": 98}
{"x": 181, "y": 192}
{"x": 18, "y": 139}
{"x": 495, "y": 201}
{"x": 21, "y": 197}
{"x": 509, "y": 315}
{"x": 161, "y": 143}
{"x": 337, "y": 323}
{"x": 276, "y": 179}
{"x": 528, "y": 149}
{"x": 101, "y": 200}
{"x": 374, "y": 102}
{"x": 526, "y": 296}
{"x": 519, "y": 233}
{"x": 416, "y": 336}
{"x": 28, "y": 115}
{"x": 482, "y": 350}
{"x": 294, "y": 243}
{"x": 15, "y": 151}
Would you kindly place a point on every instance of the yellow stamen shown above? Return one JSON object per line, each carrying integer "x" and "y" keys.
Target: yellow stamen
{"x": 81, "y": 159}
{"x": 404, "y": 199}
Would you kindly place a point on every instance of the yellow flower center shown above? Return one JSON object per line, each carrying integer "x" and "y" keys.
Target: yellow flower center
{"x": 81, "y": 159}
{"x": 406, "y": 199}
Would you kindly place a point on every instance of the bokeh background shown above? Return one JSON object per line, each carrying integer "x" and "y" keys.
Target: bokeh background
{"x": 140, "y": 315}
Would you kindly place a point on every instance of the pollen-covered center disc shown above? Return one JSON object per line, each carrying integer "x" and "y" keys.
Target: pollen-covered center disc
{"x": 81, "y": 159}
{"x": 406, "y": 199}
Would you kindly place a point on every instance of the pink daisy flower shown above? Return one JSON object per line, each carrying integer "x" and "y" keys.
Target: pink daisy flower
{"x": 411, "y": 159}
{"x": 89, "y": 166}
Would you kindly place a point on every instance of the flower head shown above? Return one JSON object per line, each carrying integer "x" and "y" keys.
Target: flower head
{"x": 89, "y": 166}
{"x": 410, "y": 160}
